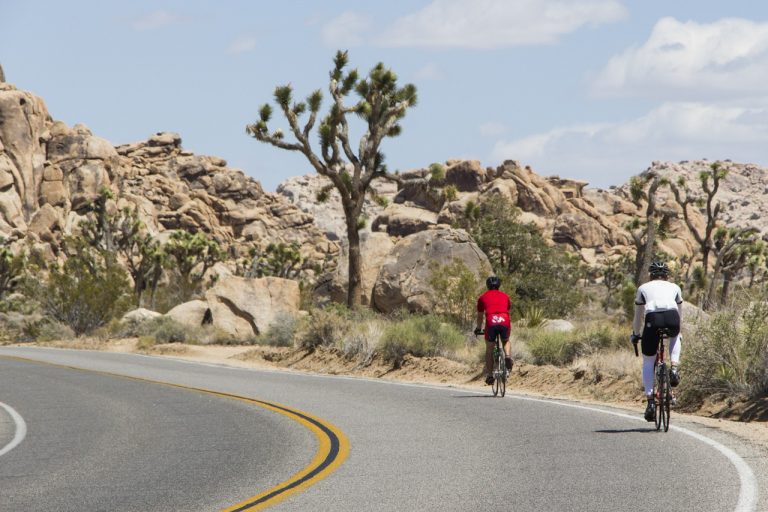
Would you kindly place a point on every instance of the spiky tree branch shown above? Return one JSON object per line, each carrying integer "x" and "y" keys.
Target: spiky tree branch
{"x": 380, "y": 104}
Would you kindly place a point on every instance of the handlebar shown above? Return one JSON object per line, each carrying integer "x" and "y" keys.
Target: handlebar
{"x": 636, "y": 352}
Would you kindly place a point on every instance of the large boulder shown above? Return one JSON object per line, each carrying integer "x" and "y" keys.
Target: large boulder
{"x": 401, "y": 220}
{"x": 375, "y": 249}
{"x": 465, "y": 175}
{"x": 189, "y": 313}
{"x": 403, "y": 282}
{"x": 244, "y": 307}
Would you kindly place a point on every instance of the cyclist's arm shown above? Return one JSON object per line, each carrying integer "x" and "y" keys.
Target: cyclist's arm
{"x": 479, "y": 320}
{"x": 679, "y": 298}
{"x": 637, "y": 322}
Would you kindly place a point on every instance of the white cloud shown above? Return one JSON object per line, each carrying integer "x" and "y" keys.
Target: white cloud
{"x": 242, "y": 44}
{"x": 498, "y": 23}
{"x": 691, "y": 60}
{"x": 492, "y": 129}
{"x": 429, "y": 72}
{"x": 347, "y": 30}
{"x": 610, "y": 153}
{"x": 156, "y": 20}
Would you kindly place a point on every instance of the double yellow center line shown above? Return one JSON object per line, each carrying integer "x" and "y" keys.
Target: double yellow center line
{"x": 333, "y": 446}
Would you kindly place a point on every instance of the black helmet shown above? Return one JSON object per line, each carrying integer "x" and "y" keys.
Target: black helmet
{"x": 658, "y": 269}
{"x": 493, "y": 283}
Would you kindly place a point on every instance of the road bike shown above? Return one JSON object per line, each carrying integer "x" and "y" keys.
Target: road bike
{"x": 662, "y": 390}
{"x": 500, "y": 372}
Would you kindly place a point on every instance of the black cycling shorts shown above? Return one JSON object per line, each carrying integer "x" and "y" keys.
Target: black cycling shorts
{"x": 669, "y": 319}
{"x": 500, "y": 330}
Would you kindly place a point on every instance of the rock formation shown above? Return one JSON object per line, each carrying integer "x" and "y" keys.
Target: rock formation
{"x": 50, "y": 175}
{"x": 403, "y": 281}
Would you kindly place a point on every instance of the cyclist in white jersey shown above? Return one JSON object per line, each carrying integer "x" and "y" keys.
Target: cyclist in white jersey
{"x": 658, "y": 304}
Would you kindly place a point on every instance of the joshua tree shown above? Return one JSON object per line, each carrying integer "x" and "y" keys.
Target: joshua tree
{"x": 2, "y": 75}
{"x": 685, "y": 198}
{"x": 381, "y": 105}
{"x": 645, "y": 232}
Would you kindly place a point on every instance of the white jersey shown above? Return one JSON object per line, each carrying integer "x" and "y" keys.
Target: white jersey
{"x": 659, "y": 295}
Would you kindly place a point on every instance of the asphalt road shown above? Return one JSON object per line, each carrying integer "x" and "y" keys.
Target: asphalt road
{"x": 97, "y": 441}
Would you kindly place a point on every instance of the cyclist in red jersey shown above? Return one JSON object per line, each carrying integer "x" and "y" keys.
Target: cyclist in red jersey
{"x": 493, "y": 306}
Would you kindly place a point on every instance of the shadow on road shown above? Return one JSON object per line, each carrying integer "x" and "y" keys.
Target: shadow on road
{"x": 627, "y": 431}
{"x": 473, "y": 396}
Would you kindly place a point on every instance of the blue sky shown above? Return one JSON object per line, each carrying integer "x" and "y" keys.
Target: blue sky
{"x": 586, "y": 89}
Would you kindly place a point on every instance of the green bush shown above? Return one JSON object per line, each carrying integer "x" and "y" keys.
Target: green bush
{"x": 421, "y": 336}
{"x": 727, "y": 356}
{"x": 456, "y": 290}
{"x": 85, "y": 293}
{"x": 436, "y": 173}
{"x": 561, "y": 348}
{"x": 450, "y": 193}
{"x": 534, "y": 273}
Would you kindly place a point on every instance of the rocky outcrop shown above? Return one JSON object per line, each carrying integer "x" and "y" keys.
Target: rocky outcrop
{"x": 242, "y": 308}
{"x": 376, "y": 250}
{"x": 403, "y": 282}
{"x": 303, "y": 191}
{"x": 50, "y": 175}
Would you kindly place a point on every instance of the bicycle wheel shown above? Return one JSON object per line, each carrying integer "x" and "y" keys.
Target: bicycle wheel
{"x": 665, "y": 401}
{"x": 657, "y": 397}
{"x": 495, "y": 386}
{"x": 502, "y": 375}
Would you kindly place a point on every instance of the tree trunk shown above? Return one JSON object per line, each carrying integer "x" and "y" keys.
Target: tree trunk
{"x": 709, "y": 297}
{"x": 355, "y": 288}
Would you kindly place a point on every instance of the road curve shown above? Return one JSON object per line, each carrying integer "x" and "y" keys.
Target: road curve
{"x": 412, "y": 447}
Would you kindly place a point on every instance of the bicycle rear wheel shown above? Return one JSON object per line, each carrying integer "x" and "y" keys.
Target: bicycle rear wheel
{"x": 665, "y": 402}
{"x": 502, "y": 375}
{"x": 657, "y": 397}
{"x": 495, "y": 386}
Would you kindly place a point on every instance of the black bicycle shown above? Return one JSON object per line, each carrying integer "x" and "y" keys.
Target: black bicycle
{"x": 500, "y": 372}
{"x": 662, "y": 390}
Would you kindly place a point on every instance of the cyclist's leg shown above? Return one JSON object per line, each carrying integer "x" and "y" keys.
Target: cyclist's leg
{"x": 507, "y": 346}
{"x": 489, "y": 343}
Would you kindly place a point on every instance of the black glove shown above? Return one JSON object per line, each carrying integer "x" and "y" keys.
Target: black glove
{"x": 478, "y": 331}
{"x": 634, "y": 338}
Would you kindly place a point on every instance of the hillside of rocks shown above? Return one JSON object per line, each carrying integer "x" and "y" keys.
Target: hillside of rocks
{"x": 590, "y": 222}
{"x": 51, "y": 173}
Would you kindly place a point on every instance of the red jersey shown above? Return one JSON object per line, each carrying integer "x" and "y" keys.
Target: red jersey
{"x": 496, "y": 305}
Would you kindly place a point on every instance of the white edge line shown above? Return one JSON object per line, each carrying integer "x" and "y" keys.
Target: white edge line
{"x": 21, "y": 429}
{"x": 748, "y": 483}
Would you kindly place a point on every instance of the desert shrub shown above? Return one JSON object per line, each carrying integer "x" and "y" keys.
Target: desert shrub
{"x": 282, "y": 332}
{"x": 533, "y": 316}
{"x": 325, "y": 327}
{"x": 561, "y": 348}
{"x": 456, "y": 290}
{"x": 167, "y": 330}
{"x": 628, "y": 292}
{"x": 556, "y": 348}
{"x": 727, "y": 356}
{"x": 427, "y": 335}
{"x": 436, "y": 173}
{"x": 450, "y": 193}
{"x": 145, "y": 342}
{"x": 86, "y": 293}
{"x": 362, "y": 342}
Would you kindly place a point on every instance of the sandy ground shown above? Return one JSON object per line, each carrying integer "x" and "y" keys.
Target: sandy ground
{"x": 583, "y": 384}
